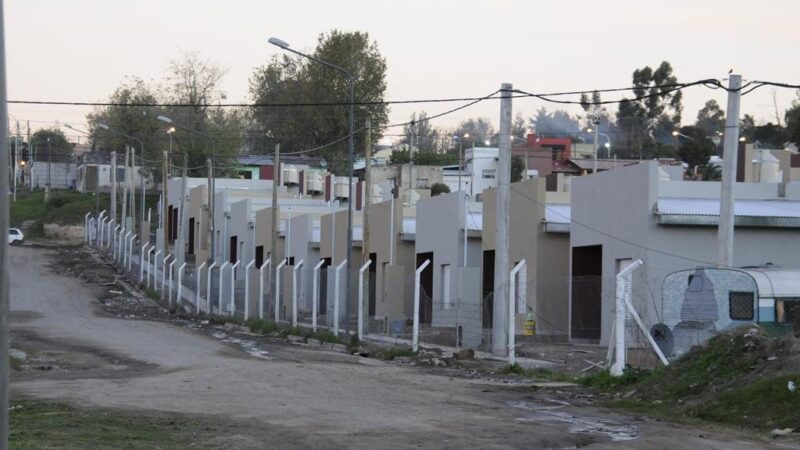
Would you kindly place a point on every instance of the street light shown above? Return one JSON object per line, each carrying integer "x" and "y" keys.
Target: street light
{"x": 212, "y": 188}
{"x": 285, "y": 46}
{"x": 460, "y": 156}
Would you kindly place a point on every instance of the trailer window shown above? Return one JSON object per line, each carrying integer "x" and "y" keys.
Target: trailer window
{"x": 786, "y": 310}
{"x": 741, "y": 305}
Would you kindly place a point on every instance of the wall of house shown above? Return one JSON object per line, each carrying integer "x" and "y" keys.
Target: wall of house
{"x": 385, "y": 242}
{"x": 297, "y": 246}
{"x": 480, "y": 160}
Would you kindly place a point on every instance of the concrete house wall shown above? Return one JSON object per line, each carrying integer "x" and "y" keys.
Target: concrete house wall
{"x": 546, "y": 254}
{"x": 393, "y": 261}
{"x": 606, "y": 211}
{"x": 298, "y": 238}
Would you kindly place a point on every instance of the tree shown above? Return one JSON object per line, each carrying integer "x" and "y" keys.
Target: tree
{"x": 697, "y": 148}
{"x": 710, "y": 118}
{"x": 125, "y": 116}
{"x": 747, "y": 126}
{"x": 710, "y": 172}
{"x": 479, "y": 130}
{"x": 655, "y": 110}
{"x": 294, "y": 79}
{"x": 439, "y": 188}
{"x": 51, "y": 143}
{"x": 792, "y": 121}
{"x": 559, "y": 123}
{"x": 426, "y": 137}
{"x": 518, "y": 127}
{"x": 517, "y": 169}
{"x": 595, "y": 112}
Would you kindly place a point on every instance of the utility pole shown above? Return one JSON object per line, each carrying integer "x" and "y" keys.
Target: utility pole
{"x": 112, "y": 180}
{"x": 125, "y": 191}
{"x": 367, "y": 198}
{"x": 411, "y": 158}
{"x": 96, "y": 180}
{"x": 132, "y": 187}
{"x": 729, "y": 157}
{"x": 183, "y": 213}
{"x": 17, "y": 154}
{"x": 596, "y": 124}
{"x": 4, "y": 285}
{"x": 49, "y": 154}
{"x": 30, "y": 156}
{"x": 276, "y": 177}
{"x": 501, "y": 275}
{"x": 210, "y": 210}
{"x": 164, "y": 201}
{"x": 460, "y": 160}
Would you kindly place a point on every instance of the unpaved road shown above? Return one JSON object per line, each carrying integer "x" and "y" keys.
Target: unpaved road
{"x": 298, "y": 398}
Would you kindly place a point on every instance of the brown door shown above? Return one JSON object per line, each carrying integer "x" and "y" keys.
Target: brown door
{"x": 587, "y": 299}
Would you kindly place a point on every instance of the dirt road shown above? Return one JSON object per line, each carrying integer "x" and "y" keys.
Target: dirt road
{"x": 293, "y": 397}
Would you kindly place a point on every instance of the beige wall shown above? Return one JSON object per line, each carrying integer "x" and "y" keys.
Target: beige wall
{"x": 546, "y": 254}
{"x": 391, "y": 300}
{"x": 197, "y": 200}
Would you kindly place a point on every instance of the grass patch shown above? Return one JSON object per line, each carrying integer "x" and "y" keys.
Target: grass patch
{"x": 15, "y": 363}
{"x": 737, "y": 378}
{"x": 37, "y": 425}
{"x": 536, "y": 374}
{"x": 391, "y": 353}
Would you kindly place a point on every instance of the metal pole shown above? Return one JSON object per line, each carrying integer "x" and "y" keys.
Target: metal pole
{"x": 415, "y": 329}
{"x": 4, "y": 279}
{"x": 125, "y": 191}
{"x": 729, "y": 157}
{"x": 183, "y": 218}
{"x": 596, "y": 134}
{"x": 349, "y": 270}
{"x": 501, "y": 273}
{"x": 210, "y": 209}
{"x": 112, "y": 180}
{"x": 460, "y": 161}
{"x": 276, "y": 180}
{"x": 367, "y": 201}
{"x": 164, "y": 201}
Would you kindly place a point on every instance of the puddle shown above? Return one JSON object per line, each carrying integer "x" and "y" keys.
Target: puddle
{"x": 249, "y": 347}
{"x": 548, "y": 411}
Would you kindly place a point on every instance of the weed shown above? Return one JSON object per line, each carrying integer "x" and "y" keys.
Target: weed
{"x": 326, "y": 336}
{"x": 513, "y": 369}
{"x": 391, "y": 353}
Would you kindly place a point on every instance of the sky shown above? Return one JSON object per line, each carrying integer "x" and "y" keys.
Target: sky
{"x": 81, "y": 50}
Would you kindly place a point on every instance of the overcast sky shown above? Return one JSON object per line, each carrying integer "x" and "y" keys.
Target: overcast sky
{"x": 81, "y": 50}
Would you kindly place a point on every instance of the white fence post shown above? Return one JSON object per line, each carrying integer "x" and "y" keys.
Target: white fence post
{"x": 315, "y": 299}
{"x": 415, "y": 331}
{"x": 198, "y": 275}
{"x": 261, "y": 271}
{"x": 278, "y": 289}
{"x": 512, "y": 318}
{"x": 221, "y": 284}
{"x": 233, "y": 284}
{"x": 294, "y": 291}
{"x": 361, "y": 298}
{"x": 247, "y": 269}
{"x": 620, "y": 357}
{"x": 155, "y": 269}
{"x": 113, "y": 243}
{"x": 130, "y": 253}
{"x": 171, "y": 286}
{"x": 142, "y": 254}
{"x": 336, "y": 297}
{"x": 86, "y": 227}
{"x": 209, "y": 272}
{"x": 164, "y": 274}
{"x": 180, "y": 284}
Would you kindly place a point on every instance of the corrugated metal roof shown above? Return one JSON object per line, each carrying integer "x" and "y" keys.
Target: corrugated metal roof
{"x": 557, "y": 213}
{"x": 742, "y": 208}
{"x": 474, "y": 220}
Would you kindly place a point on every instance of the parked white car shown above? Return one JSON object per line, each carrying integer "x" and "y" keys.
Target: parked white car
{"x": 15, "y": 236}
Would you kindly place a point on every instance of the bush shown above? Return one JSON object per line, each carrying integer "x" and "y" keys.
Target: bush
{"x": 439, "y": 188}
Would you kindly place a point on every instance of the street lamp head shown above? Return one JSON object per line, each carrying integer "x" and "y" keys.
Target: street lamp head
{"x": 22, "y": 163}
{"x": 589, "y": 130}
{"x": 487, "y": 142}
{"x": 466, "y": 135}
{"x": 69, "y": 126}
{"x": 742, "y": 139}
{"x": 103, "y": 126}
{"x": 675, "y": 133}
{"x": 608, "y": 145}
{"x": 170, "y": 130}
{"x": 278, "y": 42}
{"x": 164, "y": 119}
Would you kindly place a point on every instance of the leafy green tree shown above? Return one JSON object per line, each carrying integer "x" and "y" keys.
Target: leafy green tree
{"x": 792, "y": 120}
{"x": 517, "y": 169}
{"x": 747, "y": 126}
{"x": 126, "y": 116}
{"x": 695, "y": 147}
{"x": 479, "y": 130}
{"x": 710, "y": 172}
{"x": 51, "y": 143}
{"x": 654, "y": 112}
{"x": 294, "y": 79}
{"x": 399, "y": 157}
{"x": 710, "y": 118}
{"x": 439, "y": 188}
{"x": 519, "y": 127}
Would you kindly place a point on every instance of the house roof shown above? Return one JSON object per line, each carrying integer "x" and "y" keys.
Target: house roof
{"x": 608, "y": 164}
{"x": 266, "y": 160}
{"x": 705, "y": 211}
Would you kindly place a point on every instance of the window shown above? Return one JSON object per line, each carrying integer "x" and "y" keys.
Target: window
{"x": 422, "y": 183}
{"x": 489, "y": 174}
{"x": 741, "y": 305}
{"x": 445, "y": 286}
{"x": 786, "y": 310}
{"x": 120, "y": 174}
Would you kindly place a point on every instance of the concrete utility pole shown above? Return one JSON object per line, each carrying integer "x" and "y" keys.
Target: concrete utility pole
{"x": 210, "y": 210}
{"x": 164, "y": 201}
{"x": 596, "y": 124}
{"x": 132, "y": 187}
{"x": 276, "y": 177}
{"x": 112, "y": 180}
{"x": 411, "y": 159}
{"x": 125, "y": 190}
{"x": 367, "y": 199}
{"x": 183, "y": 218}
{"x": 4, "y": 286}
{"x": 501, "y": 274}
{"x": 49, "y": 159}
{"x": 729, "y": 158}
